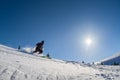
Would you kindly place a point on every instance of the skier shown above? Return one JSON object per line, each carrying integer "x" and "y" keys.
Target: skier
{"x": 39, "y": 47}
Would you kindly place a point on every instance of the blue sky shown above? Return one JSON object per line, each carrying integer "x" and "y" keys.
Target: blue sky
{"x": 64, "y": 25}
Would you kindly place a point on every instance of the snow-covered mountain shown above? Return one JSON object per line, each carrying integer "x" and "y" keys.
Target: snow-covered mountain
{"x": 15, "y": 65}
{"x": 113, "y": 60}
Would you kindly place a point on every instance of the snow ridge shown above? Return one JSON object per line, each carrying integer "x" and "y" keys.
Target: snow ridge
{"x": 111, "y": 57}
{"x": 111, "y": 60}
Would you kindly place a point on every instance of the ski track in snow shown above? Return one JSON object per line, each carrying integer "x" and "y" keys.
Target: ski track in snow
{"x": 15, "y": 65}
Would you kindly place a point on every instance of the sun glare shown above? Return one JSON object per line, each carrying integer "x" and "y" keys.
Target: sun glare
{"x": 88, "y": 41}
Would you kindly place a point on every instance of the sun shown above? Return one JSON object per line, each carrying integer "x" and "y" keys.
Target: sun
{"x": 88, "y": 41}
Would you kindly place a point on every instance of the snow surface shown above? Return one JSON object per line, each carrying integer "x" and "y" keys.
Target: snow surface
{"x": 15, "y": 65}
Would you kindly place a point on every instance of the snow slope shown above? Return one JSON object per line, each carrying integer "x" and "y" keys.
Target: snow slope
{"x": 16, "y": 65}
{"x": 111, "y": 60}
